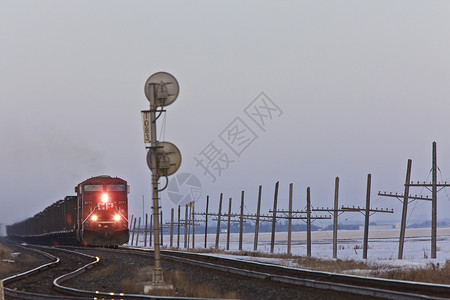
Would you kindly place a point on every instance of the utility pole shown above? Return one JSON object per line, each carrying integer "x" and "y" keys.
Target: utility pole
{"x": 335, "y": 217}
{"x": 366, "y": 217}
{"x": 145, "y": 230}
{"x": 434, "y": 203}
{"x": 206, "y": 221}
{"x": 291, "y": 187}
{"x": 186, "y": 216}
{"x": 143, "y": 208}
{"x": 274, "y": 218}
{"x": 218, "y": 222}
{"x": 299, "y": 215}
{"x": 308, "y": 222}
{"x": 235, "y": 218}
{"x": 257, "y": 220}
{"x": 367, "y": 212}
{"x": 336, "y": 211}
{"x": 229, "y": 224}
{"x": 178, "y": 227}
{"x": 171, "y": 229}
{"x": 193, "y": 224}
{"x": 404, "y": 210}
{"x": 241, "y": 222}
{"x": 433, "y": 187}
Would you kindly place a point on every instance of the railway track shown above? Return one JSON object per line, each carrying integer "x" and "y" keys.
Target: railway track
{"x": 26, "y": 285}
{"x": 362, "y": 287}
{"x": 47, "y": 280}
{"x": 253, "y": 280}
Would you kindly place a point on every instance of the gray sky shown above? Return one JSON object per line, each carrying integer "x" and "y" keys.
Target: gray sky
{"x": 360, "y": 87}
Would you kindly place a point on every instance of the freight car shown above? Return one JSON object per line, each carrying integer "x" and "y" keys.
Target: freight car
{"x": 96, "y": 216}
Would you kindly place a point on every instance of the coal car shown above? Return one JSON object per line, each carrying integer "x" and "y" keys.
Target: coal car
{"x": 96, "y": 216}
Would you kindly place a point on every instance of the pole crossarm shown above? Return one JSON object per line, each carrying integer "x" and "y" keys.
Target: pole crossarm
{"x": 182, "y": 223}
{"x": 190, "y": 220}
{"x": 314, "y": 218}
{"x": 296, "y": 216}
{"x": 251, "y": 217}
{"x": 262, "y": 218}
{"x": 329, "y": 210}
{"x": 231, "y": 220}
{"x": 363, "y": 210}
{"x": 424, "y": 184}
{"x": 233, "y": 217}
{"x": 216, "y": 215}
{"x": 284, "y": 211}
{"x": 401, "y": 197}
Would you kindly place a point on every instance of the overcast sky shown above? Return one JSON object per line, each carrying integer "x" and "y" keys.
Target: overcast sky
{"x": 295, "y": 91}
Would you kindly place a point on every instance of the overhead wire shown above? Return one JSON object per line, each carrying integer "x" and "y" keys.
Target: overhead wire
{"x": 416, "y": 201}
{"x": 445, "y": 189}
{"x": 162, "y": 132}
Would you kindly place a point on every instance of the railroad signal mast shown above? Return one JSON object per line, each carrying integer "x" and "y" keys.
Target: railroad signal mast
{"x": 163, "y": 158}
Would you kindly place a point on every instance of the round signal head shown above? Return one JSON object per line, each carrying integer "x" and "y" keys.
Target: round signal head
{"x": 162, "y": 89}
{"x": 168, "y": 159}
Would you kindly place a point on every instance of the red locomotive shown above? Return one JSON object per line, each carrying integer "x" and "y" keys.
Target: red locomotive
{"x": 96, "y": 216}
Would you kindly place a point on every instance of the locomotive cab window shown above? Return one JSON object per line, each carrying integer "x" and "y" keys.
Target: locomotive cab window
{"x": 116, "y": 188}
{"x": 93, "y": 188}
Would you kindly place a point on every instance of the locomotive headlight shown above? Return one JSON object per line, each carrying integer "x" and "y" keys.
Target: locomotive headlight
{"x": 117, "y": 217}
{"x": 94, "y": 218}
{"x": 105, "y": 198}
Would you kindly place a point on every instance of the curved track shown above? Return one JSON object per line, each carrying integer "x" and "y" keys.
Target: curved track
{"x": 321, "y": 282}
{"x": 60, "y": 256}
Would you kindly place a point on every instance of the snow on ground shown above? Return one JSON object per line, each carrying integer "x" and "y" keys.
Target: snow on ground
{"x": 383, "y": 246}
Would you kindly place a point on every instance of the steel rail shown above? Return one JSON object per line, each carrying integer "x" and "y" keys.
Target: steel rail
{"x": 17, "y": 277}
{"x": 105, "y": 295}
{"x": 78, "y": 293}
{"x": 33, "y": 271}
{"x": 358, "y": 285}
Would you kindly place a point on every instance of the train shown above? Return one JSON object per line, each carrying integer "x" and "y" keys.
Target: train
{"x": 96, "y": 216}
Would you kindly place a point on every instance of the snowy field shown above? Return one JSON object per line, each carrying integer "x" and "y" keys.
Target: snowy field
{"x": 383, "y": 245}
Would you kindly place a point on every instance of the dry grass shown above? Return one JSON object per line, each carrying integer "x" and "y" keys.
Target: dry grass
{"x": 5, "y": 267}
{"x": 183, "y": 285}
{"x": 433, "y": 273}
{"x": 132, "y": 285}
{"x": 106, "y": 271}
{"x": 5, "y": 252}
{"x": 334, "y": 266}
{"x": 197, "y": 289}
{"x": 15, "y": 260}
{"x": 311, "y": 263}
